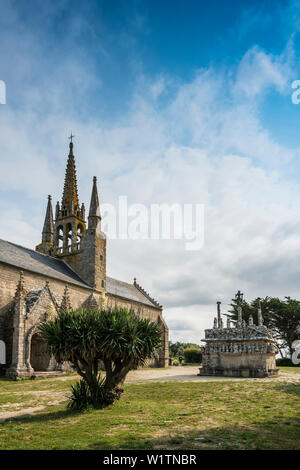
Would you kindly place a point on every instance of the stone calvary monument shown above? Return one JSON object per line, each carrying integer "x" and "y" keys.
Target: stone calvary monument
{"x": 240, "y": 350}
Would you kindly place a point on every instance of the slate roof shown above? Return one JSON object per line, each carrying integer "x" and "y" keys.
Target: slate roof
{"x": 24, "y": 258}
{"x": 129, "y": 291}
{"x": 30, "y": 260}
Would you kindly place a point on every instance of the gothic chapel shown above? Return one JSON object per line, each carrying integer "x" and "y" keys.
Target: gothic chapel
{"x": 66, "y": 270}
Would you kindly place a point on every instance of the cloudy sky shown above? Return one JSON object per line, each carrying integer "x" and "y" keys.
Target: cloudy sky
{"x": 170, "y": 102}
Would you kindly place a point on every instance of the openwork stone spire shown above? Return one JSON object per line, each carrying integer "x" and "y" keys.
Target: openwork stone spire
{"x": 47, "y": 235}
{"x": 69, "y": 217}
{"x": 46, "y": 245}
{"x": 70, "y": 195}
{"x": 94, "y": 213}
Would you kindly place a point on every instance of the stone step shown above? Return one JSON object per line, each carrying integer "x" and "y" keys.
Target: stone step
{"x": 52, "y": 373}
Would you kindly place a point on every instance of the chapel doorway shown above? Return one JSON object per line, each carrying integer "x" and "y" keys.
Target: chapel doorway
{"x": 39, "y": 358}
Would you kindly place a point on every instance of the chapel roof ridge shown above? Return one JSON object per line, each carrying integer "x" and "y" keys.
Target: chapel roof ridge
{"x": 128, "y": 293}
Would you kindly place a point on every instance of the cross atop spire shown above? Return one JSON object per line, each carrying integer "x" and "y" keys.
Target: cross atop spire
{"x": 71, "y": 137}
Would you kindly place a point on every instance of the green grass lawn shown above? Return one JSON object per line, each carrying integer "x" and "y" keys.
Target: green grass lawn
{"x": 290, "y": 369}
{"x": 170, "y": 415}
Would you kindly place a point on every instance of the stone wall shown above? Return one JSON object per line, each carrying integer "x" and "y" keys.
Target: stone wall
{"x": 51, "y": 300}
{"x": 90, "y": 262}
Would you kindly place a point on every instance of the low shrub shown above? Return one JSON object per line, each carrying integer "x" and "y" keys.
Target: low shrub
{"x": 85, "y": 396}
{"x": 286, "y": 362}
{"x": 192, "y": 355}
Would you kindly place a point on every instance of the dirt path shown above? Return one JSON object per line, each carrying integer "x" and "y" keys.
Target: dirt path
{"x": 41, "y": 399}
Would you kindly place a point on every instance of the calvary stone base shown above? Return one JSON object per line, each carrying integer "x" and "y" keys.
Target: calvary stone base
{"x": 239, "y": 351}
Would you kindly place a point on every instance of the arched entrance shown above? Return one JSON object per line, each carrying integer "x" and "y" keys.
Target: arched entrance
{"x": 39, "y": 358}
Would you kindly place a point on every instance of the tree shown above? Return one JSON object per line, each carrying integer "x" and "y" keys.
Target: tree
{"x": 177, "y": 349}
{"x": 285, "y": 322}
{"x": 117, "y": 337}
{"x": 281, "y": 316}
{"x": 192, "y": 355}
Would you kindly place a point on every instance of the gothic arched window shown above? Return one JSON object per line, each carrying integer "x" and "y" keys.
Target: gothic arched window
{"x": 60, "y": 238}
{"x": 79, "y": 233}
{"x": 69, "y": 237}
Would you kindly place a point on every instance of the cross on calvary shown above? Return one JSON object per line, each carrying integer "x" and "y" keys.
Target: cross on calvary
{"x": 239, "y": 297}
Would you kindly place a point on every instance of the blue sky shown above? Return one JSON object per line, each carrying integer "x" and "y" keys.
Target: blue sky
{"x": 118, "y": 42}
{"x": 169, "y": 101}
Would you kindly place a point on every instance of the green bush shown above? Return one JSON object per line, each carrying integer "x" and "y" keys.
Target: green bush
{"x": 286, "y": 362}
{"x": 192, "y": 355}
{"x": 175, "y": 362}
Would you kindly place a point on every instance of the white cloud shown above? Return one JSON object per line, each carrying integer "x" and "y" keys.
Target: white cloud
{"x": 204, "y": 144}
{"x": 259, "y": 71}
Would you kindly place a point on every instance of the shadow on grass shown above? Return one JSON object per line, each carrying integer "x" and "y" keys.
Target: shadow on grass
{"x": 278, "y": 434}
{"x": 283, "y": 434}
{"x": 290, "y": 388}
{"x": 44, "y": 417}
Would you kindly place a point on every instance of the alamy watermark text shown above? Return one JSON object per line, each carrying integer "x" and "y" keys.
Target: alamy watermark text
{"x": 155, "y": 222}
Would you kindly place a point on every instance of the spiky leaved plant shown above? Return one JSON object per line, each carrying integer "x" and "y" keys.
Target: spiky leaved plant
{"x": 118, "y": 337}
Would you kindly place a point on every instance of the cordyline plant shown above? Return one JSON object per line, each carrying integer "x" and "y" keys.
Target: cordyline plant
{"x": 118, "y": 337}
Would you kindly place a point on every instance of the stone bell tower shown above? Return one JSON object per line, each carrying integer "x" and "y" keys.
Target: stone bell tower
{"x": 83, "y": 248}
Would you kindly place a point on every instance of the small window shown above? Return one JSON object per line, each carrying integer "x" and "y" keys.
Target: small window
{"x": 101, "y": 258}
{"x": 102, "y": 283}
{"x": 2, "y": 352}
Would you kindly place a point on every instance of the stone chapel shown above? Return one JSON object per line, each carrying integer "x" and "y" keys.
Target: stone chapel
{"x": 66, "y": 270}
